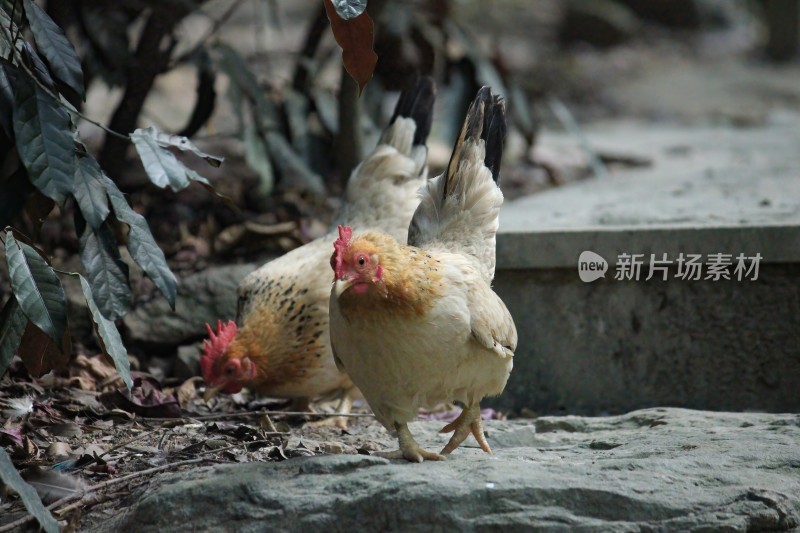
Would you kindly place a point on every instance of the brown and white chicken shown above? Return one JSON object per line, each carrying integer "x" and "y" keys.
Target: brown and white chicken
{"x": 418, "y": 324}
{"x": 281, "y": 346}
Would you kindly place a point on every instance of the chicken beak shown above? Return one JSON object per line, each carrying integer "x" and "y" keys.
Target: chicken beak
{"x": 341, "y": 285}
{"x": 210, "y": 392}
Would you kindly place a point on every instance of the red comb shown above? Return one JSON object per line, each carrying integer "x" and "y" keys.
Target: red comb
{"x": 339, "y": 246}
{"x": 215, "y": 346}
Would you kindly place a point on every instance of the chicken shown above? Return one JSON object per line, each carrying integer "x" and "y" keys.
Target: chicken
{"x": 281, "y": 346}
{"x": 416, "y": 325}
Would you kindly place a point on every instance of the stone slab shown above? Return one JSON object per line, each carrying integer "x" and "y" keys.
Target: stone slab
{"x": 708, "y": 189}
{"x": 652, "y": 470}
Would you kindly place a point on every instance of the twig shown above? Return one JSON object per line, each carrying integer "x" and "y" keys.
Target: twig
{"x": 82, "y": 494}
{"x": 244, "y": 414}
{"x": 126, "y": 442}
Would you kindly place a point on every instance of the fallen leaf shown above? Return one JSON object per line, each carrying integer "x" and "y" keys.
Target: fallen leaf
{"x": 12, "y": 434}
{"x": 67, "y": 429}
{"x": 188, "y": 391}
{"x": 145, "y": 399}
{"x": 58, "y": 449}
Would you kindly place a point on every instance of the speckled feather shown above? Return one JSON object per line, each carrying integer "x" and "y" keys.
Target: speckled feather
{"x": 284, "y": 304}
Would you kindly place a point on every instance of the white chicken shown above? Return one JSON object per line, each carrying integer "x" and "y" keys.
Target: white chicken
{"x": 416, "y": 325}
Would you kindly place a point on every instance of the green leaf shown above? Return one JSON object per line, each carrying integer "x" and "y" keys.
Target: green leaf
{"x": 107, "y": 272}
{"x": 257, "y": 158}
{"x": 44, "y": 140}
{"x": 9, "y": 29}
{"x": 142, "y": 245}
{"x": 161, "y": 165}
{"x": 182, "y": 143}
{"x": 34, "y": 63}
{"x": 109, "y": 336}
{"x": 37, "y": 288}
{"x": 56, "y": 49}
{"x": 12, "y": 326}
{"x": 90, "y": 192}
{"x": 9, "y": 476}
{"x": 8, "y": 80}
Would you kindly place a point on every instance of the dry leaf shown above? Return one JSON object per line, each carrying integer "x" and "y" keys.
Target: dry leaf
{"x": 355, "y": 37}
{"x": 57, "y": 450}
{"x": 40, "y": 354}
{"x": 188, "y": 391}
{"x": 67, "y": 429}
{"x": 146, "y": 399}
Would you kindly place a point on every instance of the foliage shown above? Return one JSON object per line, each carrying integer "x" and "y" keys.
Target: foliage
{"x": 46, "y": 164}
{"x": 9, "y": 476}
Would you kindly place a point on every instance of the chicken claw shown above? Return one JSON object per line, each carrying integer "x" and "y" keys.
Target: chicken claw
{"x": 469, "y": 421}
{"x": 409, "y": 449}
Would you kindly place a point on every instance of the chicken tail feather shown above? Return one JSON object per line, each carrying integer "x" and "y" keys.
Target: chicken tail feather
{"x": 486, "y": 120}
{"x": 416, "y": 103}
{"x": 459, "y": 209}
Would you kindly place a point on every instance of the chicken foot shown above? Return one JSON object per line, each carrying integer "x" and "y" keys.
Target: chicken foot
{"x": 409, "y": 449}
{"x": 344, "y": 407}
{"x": 469, "y": 421}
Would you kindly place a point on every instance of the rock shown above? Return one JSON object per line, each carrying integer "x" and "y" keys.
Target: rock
{"x": 655, "y": 469}
{"x": 601, "y": 23}
{"x": 203, "y": 298}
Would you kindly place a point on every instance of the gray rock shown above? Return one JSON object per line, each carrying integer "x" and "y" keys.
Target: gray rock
{"x": 651, "y": 470}
{"x": 204, "y": 297}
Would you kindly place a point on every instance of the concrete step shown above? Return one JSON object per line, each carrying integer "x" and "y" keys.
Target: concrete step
{"x": 619, "y": 343}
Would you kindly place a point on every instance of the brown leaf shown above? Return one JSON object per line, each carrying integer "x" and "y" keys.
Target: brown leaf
{"x": 188, "y": 391}
{"x": 58, "y": 450}
{"x": 90, "y": 373}
{"x": 11, "y": 434}
{"x": 40, "y": 354}
{"x": 66, "y": 429}
{"x": 146, "y": 399}
{"x": 355, "y": 37}
{"x": 36, "y": 210}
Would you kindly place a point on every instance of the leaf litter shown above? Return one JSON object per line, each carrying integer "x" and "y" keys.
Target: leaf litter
{"x": 81, "y": 438}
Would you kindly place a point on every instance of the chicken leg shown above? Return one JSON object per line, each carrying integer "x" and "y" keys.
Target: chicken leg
{"x": 469, "y": 421}
{"x": 344, "y": 407}
{"x": 409, "y": 449}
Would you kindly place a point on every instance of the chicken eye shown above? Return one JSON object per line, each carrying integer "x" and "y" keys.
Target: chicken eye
{"x": 362, "y": 261}
{"x": 230, "y": 369}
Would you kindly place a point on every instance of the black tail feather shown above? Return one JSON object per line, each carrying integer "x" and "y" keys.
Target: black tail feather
{"x": 486, "y": 119}
{"x": 416, "y": 102}
{"x": 494, "y": 134}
